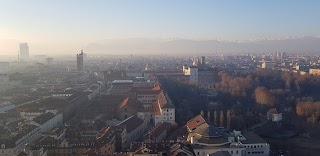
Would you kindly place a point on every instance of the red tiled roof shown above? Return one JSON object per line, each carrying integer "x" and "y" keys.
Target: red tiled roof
{"x": 156, "y": 88}
{"x": 163, "y": 102}
{"x": 156, "y": 108}
{"x": 195, "y": 122}
{"x": 130, "y": 102}
{"x": 124, "y": 102}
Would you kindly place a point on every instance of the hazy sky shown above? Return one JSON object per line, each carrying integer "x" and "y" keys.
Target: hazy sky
{"x": 66, "y": 25}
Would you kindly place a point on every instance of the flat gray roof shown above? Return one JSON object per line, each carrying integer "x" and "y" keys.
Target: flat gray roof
{"x": 122, "y": 81}
{"x": 252, "y": 138}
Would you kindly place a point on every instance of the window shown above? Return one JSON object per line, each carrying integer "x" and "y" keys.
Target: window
{"x": 237, "y": 152}
{"x": 231, "y": 152}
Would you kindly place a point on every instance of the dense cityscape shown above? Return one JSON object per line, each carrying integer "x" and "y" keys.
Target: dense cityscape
{"x": 159, "y": 78}
{"x": 215, "y": 104}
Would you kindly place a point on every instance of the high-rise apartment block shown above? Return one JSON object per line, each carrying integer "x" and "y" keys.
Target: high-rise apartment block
{"x": 24, "y": 51}
{"x": 80, "y": 61}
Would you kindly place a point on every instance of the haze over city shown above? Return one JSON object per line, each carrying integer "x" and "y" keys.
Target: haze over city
{"x": 107, "y": 27}
{"x": 159, "y": 78}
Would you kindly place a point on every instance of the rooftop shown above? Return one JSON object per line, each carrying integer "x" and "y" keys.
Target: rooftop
{"x": 148, "y": 92}
{"x": 220, "y": 153}
{"x": 45, "y": 141}
{"x": 163, "y": 101}
{"x": 152, "y": 148}
{"x": 158, "y": 130}
{"x": 214, "y": 140}
{"x": 41, "y": 119}
{"x": 122, "y": 81}
{"x": 131, "y": 123}
{"x": 195, "y": 122}
{"x": 130, "y": 102}
{"x": 251, "y": 138}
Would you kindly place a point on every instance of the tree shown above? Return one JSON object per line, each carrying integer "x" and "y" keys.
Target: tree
{"x": 215, "y": 118}
{"x": 273, "y": 110}
{"x": 202, "y": 113}
{"x": 228, "y": 119}
{"x": 263, "y": 96}
{"x": 287, "y": 84}
{"x": 221, "y": 119}
{"x": 309, "y": 110}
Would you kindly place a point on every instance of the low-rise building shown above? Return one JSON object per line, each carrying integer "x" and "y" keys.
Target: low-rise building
{"x": 31, "y": 114}
{"x": 164, "y": 110}
{"x": 275, "y": 117}
{"x": 120, "y": 87}
{"x": 48, "y": 121}
{"x": 161, "y": 148}
{"x": 147, "y": 97}
{"x": 16, "y": 143}
{"x": 158, "y": 133}
{"x": 135, "y": 128}
{"x": 267, "y": 65}
{"x": 128, "y": 107}
{"x": 192, "y": 72}
{"x": 206, "y": 139}
{"x": 103, "y": 143}
{"x": 314, "y": 71}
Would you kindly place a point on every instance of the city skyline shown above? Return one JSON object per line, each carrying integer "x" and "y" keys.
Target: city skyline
{"x": 50, "y": 27}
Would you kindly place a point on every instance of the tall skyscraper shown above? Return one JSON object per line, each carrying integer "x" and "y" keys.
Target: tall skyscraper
{"x": 24, "y": 51}
{"x": 203, "y": 60}
{"x": 80, "y": 61}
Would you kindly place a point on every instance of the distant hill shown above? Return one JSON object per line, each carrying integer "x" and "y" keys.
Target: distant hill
{"x": 173, "y": 46}
{"x": 183, "y": 46}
